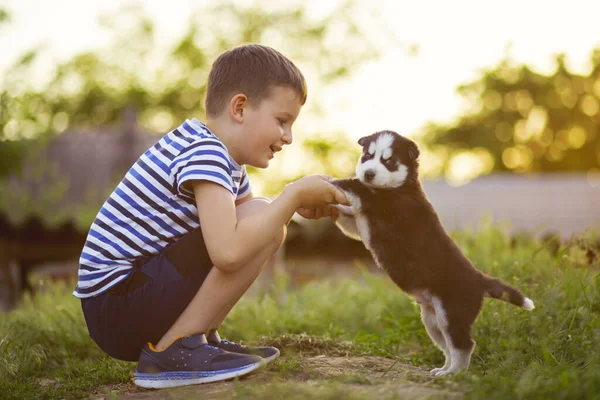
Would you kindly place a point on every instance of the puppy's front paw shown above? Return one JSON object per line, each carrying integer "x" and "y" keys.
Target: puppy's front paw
{"x": 345, "y": 210}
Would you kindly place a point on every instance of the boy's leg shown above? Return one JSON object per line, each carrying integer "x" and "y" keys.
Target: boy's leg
{"x": 269, "y": 264}
{"x": 220, "y": 291}
{"x": 253, "y": 206}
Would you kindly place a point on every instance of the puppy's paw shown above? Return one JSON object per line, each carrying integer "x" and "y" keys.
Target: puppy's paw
{"x": 436, "y": 371}
{"x": 345, "y": 210}
{"x": 442, "y": 373}
{"x": 448, "y": 371}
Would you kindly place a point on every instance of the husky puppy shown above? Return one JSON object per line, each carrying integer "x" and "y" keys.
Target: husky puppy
{"x": 390, "y": 213}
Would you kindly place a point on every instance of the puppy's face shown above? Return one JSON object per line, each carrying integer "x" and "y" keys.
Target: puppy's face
{"x": 387, "y": 159}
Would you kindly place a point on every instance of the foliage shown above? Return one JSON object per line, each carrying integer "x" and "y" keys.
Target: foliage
{"x": 4, "y": 16}
{"x": 519, "y": 120}
{"x": 549, "y": 352}
{"x": 165, "y": 86}
{"x": 10, "y": 152}
{"x": 92, "y": 89}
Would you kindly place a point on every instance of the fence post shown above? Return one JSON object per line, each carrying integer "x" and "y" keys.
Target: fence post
{"x": 8, "y": 282}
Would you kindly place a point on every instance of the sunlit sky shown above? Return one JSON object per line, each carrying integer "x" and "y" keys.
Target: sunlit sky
{"x": 399, "y": 91}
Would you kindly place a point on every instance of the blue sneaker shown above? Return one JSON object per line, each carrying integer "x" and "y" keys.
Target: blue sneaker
{"x": 267, "y": 353}
{"x": 190, "y": 360}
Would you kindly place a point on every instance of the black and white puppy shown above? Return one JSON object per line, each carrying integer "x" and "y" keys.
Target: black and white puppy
{"x": 390, "y": 213}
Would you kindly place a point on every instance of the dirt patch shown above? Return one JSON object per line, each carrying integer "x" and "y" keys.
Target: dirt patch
{"x": 369, "y": 367}
{"x": 313, "y": 377}
{"x": 306, "y": 345}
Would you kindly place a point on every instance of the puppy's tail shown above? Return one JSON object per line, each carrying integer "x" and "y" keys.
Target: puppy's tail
{"x": 497, "y": 289}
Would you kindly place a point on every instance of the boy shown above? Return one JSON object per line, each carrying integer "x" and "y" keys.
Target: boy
{"x": 181, "y": 239}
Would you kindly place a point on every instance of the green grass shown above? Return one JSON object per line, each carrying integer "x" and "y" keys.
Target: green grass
{"x": 552, "y": 352}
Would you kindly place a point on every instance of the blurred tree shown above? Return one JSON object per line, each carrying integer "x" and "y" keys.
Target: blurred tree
{"x": 11, "y": 152}
{"x": 92, "y": 89}
{"x": 4, "y": 16}
{"x": 90, "y": 92}
{"x": 522, "y": 121}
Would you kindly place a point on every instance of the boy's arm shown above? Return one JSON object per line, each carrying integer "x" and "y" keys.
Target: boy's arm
{"x": 244, "y": 199}
{"x": 231, "y": 243}
{"x": 244, "y": 189}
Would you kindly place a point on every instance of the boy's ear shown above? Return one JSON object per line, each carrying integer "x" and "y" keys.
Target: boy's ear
{"x": 237, "y": 105}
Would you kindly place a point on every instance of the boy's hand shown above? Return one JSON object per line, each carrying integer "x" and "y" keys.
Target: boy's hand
{"x": 314, "y": 192}
{"x": 316, "y": 213}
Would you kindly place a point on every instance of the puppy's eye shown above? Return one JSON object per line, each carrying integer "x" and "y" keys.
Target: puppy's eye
{"x": 367, "y": 156}
{"x": 389, "y": 161}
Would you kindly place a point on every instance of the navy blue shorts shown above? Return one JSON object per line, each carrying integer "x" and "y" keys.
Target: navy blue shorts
{"x": 145, "y": 305}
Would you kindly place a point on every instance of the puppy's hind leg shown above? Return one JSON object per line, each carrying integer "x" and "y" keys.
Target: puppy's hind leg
{"x": 457, "y": 333}
{"x": 431, "y": 325}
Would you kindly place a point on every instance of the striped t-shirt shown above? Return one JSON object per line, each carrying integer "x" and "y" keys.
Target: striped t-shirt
{"x": 151, "y": 208}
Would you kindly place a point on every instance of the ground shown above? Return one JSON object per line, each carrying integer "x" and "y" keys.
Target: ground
{"x": 331, "y": 377}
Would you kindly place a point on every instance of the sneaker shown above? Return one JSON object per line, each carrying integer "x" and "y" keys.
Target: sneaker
{"x": 267, "y": 353}
{"x": 191, "y": 360}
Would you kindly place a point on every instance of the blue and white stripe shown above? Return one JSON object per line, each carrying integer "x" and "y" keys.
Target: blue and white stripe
{"x": 152, "y": 207}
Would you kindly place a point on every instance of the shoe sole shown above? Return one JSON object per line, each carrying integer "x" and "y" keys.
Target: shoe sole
{"x": 183, "y": 378}
{"x": 271, "y": 358}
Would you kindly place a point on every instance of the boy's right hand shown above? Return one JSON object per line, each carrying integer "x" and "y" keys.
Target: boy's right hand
{"x": 315, "y": 191}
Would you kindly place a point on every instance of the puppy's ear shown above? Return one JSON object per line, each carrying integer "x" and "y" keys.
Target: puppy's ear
{"x": 363, "y": 140}
{"x": 413, "y": 151}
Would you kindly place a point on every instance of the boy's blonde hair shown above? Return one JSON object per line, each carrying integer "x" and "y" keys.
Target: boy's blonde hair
{"x": 253, "y": 70}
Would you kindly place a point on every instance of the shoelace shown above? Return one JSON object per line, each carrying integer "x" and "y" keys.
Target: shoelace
{"x": 214, "y": 348}
{"x": 228, "y": 343}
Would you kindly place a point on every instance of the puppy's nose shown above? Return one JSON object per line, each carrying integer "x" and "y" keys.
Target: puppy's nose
{"x": 369, "y": 175}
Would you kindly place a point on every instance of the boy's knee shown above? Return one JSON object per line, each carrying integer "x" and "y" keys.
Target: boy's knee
{"x": 255, "y": 206}
{"x": 252, "y": 206}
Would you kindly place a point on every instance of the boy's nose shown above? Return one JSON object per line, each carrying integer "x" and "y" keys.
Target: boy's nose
{"x": 287, "y": 137}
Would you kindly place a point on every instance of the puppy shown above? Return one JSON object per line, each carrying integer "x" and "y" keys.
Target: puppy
{"x": 390, "y": 213}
